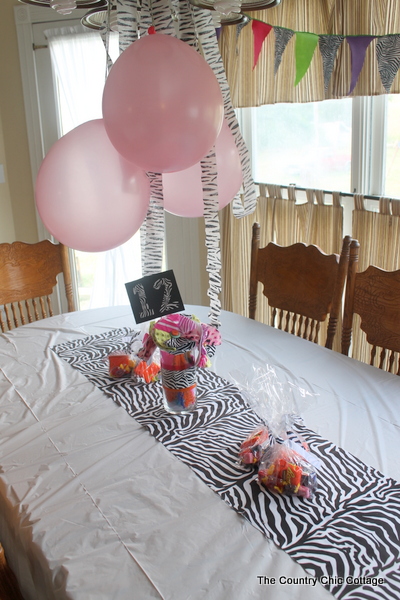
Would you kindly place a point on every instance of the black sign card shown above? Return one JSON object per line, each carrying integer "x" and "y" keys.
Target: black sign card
{"x": 154, "y": 296}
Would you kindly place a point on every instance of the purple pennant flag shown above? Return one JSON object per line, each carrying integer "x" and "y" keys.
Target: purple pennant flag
{"x": 358, "y": 47}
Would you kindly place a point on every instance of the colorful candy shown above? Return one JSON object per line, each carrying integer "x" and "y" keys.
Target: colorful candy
{"x": 284, "y": 471}
{"x": 251, "y": 450}
{"x": 148, "y": 372}
{"x": 120, "y": 364}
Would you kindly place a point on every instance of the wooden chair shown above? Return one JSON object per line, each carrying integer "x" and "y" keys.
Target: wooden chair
{"x": 302, "y": 284}
{"x": 374, "y": 295}
{"x": 9, "y": 588}
{"x": 28, "y": 275}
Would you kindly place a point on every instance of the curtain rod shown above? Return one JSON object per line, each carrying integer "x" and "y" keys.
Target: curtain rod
{"x": 302, "y": 189}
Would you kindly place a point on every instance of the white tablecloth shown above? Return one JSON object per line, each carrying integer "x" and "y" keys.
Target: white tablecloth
{"x": 92, "y": 507}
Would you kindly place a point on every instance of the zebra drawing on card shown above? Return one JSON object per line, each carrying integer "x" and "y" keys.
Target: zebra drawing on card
{"x": 146, "y": 310}
{"x": 166, "y": 305}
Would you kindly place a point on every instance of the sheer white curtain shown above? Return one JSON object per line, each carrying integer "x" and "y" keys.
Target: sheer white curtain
{"x": 78, "y": 59}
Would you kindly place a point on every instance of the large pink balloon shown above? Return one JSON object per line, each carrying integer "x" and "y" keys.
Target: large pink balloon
{"x": 162, "y": 104}
{"x": 88, "y": 196}
{"x": 183, "y": 192}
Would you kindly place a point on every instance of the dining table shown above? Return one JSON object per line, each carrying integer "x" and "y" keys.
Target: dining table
{"x": 106, "y": 496}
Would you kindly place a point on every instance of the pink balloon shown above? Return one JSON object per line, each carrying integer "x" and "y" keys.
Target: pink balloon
{"x": 88, "y": 196}
{"x": 162, "y": 104}
{"x": 183, "y": 191}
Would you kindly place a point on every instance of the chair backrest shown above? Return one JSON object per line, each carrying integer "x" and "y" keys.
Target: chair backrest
{"x": 373, "y": 294}
{"x": 302, "y": 284}
{"x": 28, "y": 275}
{"x": 9, "y": 588}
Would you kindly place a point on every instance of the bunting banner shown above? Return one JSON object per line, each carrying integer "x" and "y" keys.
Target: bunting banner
{"x": 358, "y": 47}
{"x": 388, "y": 57}
{"x": 387, "y": 51}
{"x": 305, "y": 47}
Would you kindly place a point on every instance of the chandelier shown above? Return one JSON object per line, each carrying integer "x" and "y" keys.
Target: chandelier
{"x": 65, "y": 7}
{"x": 225, "y": 12}
{"x": 97, "y": 19}
{"x": 229, "y": 12}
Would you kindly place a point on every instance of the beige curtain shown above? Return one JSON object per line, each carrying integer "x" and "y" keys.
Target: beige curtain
{"x": 344, "y": 17}
{"x": 284, "y": 221}
{"x": 379, "y": 237}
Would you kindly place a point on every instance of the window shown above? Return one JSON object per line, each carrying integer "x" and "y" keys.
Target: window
{"x": 346, "y": 145}
{"x": 44, "y": 129}
{"x": 305, "y": 144}
{"x": 79, "y": 71}
{"x": 392, "y": 171}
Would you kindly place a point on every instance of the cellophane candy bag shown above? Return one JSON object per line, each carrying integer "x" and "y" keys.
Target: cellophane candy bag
{"x": 252, "y": 448}
{"x": 285, "y": 471}
{"x": 284, "y": 466}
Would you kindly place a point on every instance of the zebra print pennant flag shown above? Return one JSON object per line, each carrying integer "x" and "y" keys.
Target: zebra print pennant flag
{"x": 239, "y": 29}
{"x": 388, "y": 57}
{"x": 240, "y": 26}
{"x": 328, "y": 47}
{"x": 347, "y": 537}
{"x": 282, "y": 38}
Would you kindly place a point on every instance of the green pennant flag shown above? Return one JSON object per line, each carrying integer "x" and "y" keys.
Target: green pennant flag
{"x": 304, "y": 49}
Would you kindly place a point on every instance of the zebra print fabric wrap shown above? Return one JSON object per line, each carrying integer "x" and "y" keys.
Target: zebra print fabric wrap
{"x": 350, "y": 531}
{"x": 177, "y": 380}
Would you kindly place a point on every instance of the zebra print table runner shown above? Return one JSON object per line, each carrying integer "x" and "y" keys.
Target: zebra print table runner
{"x": 347, "y": 536}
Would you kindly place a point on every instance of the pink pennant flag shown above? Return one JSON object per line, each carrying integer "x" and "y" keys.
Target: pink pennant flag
{"x": 358, "y": 47}
{"x": 260, "y": 32}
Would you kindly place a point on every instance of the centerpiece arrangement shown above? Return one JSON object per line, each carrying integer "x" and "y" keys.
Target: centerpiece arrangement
{"x": 185, "y": 345}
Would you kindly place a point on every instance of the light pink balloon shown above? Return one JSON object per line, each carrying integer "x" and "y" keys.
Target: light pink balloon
{"x": 183, "y": 191}
{"x": 88, "y": 196}
{"x": 162, "y": 104}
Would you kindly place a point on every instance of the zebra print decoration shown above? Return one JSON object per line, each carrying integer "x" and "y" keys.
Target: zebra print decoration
{"x": 127, "y": 23}
{"x": 347, "y": 535}
{"x": 328, "y": 46}
{"x": 194, "y": 26}
{"x": 152, "y": 240}
{"x": 209, "y": 175}
{"x": 282, "y": 38}
{"x": 206, "y": 32}
{"x": 213, "y": 235}
{"x": 178, "y": 380}
{"x": 388, "y": 57}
